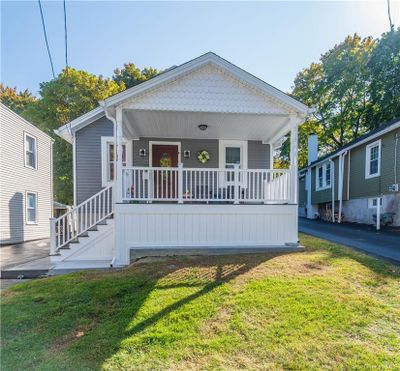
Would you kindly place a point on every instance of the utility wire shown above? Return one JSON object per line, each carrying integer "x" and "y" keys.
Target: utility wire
{"x": 390, "y": 16}
{"x": 65, "y": 35}
{"x": 45, "y": 39}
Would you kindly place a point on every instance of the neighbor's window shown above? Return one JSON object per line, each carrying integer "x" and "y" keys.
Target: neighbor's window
{"x": 373, "y": 202}
{"x": 323, "y": 176}
{"x": 373, "y": 160}
{"x": 31, "y": 208}
{"x": 328, "y": 174}
{"x": 30, "y": 151}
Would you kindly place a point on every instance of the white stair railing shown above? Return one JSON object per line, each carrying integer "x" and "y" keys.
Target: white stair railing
{"x": 80, "y": 219}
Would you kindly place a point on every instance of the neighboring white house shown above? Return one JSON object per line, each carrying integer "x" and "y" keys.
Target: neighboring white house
{"x": 26, "y": 173}
{"x": 181, "y": 160}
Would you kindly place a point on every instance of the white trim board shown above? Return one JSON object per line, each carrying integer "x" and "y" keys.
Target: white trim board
{"x": 368, "y": 159}
{"x": 156, "y": 142}
{"x": 289, "y": 104}
{"x": 129, "y": 157}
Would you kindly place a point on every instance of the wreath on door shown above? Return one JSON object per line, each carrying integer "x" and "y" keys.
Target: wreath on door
{"x": 203, "y": 156}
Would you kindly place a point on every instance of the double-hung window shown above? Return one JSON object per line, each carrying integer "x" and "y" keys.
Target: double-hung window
{"x": 31, "y": 208}
{"x": 323, "y": 176}
{"x": 30, "y": 151}
{"x": 373, "y": 160}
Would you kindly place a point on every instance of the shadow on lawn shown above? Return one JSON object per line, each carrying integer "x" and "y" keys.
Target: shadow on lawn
{"x": 104, "y": 340}
{"x": 379, "y": 266}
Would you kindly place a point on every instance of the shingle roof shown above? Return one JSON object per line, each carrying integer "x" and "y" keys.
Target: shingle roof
{"x": 355, "y": 141}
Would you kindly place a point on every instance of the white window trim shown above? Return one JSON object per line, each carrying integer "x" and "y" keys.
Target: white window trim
{"x": 26, "y": 208}
{"x": 324, "y": 185}
{"x": 129, "y": 155}
{"x": 368, "y": 159}
{"x": 371, "y": 200}
{"x": 36, "y": 151}
{"x": 157, "y": 142}
{"x": 242, "y": 144}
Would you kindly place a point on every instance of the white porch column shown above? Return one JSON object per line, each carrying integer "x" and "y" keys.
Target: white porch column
{"x": 118, "y": 157}
{"x": 293, "y": 157}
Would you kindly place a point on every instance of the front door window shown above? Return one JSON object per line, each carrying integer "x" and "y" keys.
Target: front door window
{"x": 232, "y": 158}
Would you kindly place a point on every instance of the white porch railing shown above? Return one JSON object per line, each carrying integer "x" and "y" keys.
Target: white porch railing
{"x": 80, "y": 219}
{"x": 206, "y": 185}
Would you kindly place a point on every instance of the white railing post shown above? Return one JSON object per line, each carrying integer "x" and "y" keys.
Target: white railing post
{"x": 180, "y": 183}
{"x": 293, "y": 159}
{"x": 236, "y": 184}
{"x": 378, "y": 213}
{"x": 53, "y": 236}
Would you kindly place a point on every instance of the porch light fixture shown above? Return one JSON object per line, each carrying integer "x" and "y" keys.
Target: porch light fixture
{"x": 186, "y": 153}
{"x": 203, "y": 127}
{"x": 142, "y": 152}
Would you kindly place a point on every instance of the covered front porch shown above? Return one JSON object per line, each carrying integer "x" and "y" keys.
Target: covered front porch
{"x": 187, "y": 157}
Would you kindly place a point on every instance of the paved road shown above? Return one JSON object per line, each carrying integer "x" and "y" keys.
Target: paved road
{"x": 12, "y": 255}
{"x": 379, "y": 243}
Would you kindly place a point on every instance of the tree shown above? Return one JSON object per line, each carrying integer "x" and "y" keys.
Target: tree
{"x": 63, "y": 99}
{"x": 130, "y": 75}
{"x": 384, "y": 89}
{"x": 16, "y": 101}
{"x": 337, "y": 87}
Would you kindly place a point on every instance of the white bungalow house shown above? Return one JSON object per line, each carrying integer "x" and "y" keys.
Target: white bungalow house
{"x": 193, "y": 167}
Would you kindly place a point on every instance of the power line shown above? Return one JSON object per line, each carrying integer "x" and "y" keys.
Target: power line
{"x": 45, "y": 39}
{"x": 390, "y": 16}
{"x": 65, "y": 34}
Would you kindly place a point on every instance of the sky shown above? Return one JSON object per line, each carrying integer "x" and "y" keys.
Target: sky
{"x": 272, "y": 40}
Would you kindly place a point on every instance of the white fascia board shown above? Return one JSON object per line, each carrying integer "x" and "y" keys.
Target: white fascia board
{"x": 3, "y": 106}
{"x": 66, "y": 131}
{"x": 223, "y": 64}
{"x": 177, "y": 72}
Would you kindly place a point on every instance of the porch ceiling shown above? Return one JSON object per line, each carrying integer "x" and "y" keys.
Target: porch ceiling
{"x": 182, "y": 124}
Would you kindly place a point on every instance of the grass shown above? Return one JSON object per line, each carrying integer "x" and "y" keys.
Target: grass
{"x": 327, "y": 308}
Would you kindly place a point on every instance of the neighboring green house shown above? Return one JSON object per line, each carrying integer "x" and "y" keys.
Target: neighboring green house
{"x": 353, "y": 178}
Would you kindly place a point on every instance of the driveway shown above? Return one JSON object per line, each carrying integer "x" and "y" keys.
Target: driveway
{"x": 379, "y": 243}
{"x": 12, "y": 255}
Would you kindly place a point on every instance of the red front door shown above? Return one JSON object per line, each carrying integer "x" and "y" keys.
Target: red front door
{"x": 165, "y": 182}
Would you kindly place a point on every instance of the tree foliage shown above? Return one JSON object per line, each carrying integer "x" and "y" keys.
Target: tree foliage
{"x": 354, "y": 88}
{"x": 63, "y": 99}
{"x": 384, "y": 88}
{"x": 130, "y": 75}
{"x": 17, "y": 101}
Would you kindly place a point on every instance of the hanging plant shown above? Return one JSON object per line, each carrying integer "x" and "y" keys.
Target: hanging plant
{"x": 203, "y": 156}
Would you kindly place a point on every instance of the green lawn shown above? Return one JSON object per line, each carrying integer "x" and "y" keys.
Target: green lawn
{"x": 328, "y": 307}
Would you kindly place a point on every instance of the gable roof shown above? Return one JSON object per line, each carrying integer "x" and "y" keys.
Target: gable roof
{"x": 171, "y": 75}
{"x": 5, "y": 108}
{"x": 383, "y": 129}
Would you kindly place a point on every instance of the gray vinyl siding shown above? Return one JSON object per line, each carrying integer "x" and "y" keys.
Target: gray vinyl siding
{"x": 88, "y": 158}
{"x": 193, "y": 145}
{"x": 16, "y": 180}
{"x": 258, "y": 153}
